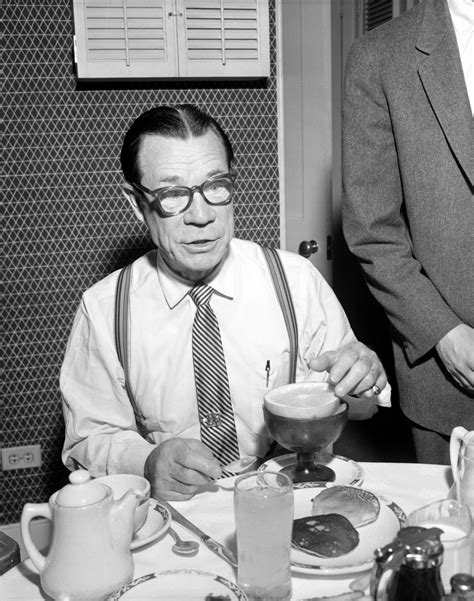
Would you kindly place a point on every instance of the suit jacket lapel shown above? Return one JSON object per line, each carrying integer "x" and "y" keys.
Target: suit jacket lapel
{"x": 443, "y": 80}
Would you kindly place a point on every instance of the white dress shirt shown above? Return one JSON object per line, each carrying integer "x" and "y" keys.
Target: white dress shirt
{"x": 462, "y": 15}
{"x": 100, "y": 426}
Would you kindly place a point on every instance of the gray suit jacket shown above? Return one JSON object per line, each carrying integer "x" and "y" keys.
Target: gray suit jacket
{"x": 408, "y": 209}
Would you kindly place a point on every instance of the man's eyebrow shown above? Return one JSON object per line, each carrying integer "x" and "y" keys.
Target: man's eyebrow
{"x": 172, "y": 179}
{"x": 176, "y": 180}
{"x": 216, "y": 172}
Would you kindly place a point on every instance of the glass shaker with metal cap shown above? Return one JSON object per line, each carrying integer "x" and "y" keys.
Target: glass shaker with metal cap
{"x": 418, "y": 578}
{"x": 462, "y": 588}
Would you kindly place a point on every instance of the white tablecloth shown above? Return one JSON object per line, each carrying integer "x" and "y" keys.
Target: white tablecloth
{"x": 408, "y": 485}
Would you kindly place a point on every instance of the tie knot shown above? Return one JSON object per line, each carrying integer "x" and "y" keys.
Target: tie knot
{"x": 201, "y": 294}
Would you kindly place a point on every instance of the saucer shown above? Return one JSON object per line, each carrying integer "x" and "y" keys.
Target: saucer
{"x": 348, "y": 472}
{"x": 180, "y": 585}
{"x": 157, "y": 523}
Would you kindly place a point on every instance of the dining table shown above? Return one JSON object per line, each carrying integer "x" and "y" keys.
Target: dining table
{"x": 408, "y": 485}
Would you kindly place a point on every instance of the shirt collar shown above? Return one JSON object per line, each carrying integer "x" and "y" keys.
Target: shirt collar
{"x": 462, "y": 14}
{"x": 175, "y": 288}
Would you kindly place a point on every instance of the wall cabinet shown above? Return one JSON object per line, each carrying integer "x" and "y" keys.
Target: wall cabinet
{"x": 205, "y": 39}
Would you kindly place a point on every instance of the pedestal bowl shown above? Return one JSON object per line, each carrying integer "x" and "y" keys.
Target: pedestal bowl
{"x": 306, "y": 437}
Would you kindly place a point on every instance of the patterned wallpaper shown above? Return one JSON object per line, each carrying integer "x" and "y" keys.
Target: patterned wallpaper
{"x": 65, "y": 222}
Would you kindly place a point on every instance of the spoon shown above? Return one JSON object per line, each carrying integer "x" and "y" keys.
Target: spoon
{"x": 239, "y": 465}
{"x": 183, "y": 547}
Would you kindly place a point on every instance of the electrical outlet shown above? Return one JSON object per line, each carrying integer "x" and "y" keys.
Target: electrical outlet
{"x": 16, "y": 458}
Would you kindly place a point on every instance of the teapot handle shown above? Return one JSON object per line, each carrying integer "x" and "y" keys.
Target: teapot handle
{"x": 457, "y": 436}
{"x": 30, "y": 511}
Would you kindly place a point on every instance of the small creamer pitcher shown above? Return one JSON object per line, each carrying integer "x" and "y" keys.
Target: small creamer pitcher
{"x": 89, "y": 555}
{"x": 462, "y": 463}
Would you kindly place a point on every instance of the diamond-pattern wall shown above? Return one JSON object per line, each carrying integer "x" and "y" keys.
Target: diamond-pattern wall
{"x": 65, "y": 223}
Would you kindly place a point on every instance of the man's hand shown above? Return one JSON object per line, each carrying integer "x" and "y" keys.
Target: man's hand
{"x": 456, "y": 351}
{"x": 353, "y": 369}
{"x": 178, "y": 467}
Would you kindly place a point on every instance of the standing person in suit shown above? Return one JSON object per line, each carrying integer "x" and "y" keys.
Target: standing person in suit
{"x": 408, "y": 209}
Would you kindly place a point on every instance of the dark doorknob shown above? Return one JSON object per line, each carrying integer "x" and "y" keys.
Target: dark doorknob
{"x": 306, "y": 249}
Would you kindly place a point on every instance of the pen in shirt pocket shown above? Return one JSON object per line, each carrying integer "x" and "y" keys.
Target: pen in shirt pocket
{"x": 267, "y": 369}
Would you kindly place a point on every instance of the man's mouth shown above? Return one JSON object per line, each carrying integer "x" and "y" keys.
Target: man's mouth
{"x": 201, "y": 242}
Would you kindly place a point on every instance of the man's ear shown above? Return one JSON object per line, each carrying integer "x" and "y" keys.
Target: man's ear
{"x": 131, "y": 195}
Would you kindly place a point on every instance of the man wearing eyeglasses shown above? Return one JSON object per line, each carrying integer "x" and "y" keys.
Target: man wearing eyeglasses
{"x": 178, "y": 169}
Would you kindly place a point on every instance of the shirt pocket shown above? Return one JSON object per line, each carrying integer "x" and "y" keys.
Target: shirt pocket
{"x": 274, "y": 374}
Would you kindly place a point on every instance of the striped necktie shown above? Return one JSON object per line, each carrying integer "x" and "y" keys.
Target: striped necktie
{"x": 216, "y": 414}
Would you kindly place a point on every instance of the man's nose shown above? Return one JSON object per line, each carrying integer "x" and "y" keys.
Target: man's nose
{"x": 199, "y": 211}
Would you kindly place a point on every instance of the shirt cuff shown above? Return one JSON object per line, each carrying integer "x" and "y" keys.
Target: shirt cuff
{"x": 134, "y": 455}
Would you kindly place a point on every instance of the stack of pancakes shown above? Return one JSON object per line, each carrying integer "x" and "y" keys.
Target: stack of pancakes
{"x": 331, "y": 529}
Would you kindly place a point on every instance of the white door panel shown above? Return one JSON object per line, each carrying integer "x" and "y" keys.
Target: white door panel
{"x": 308, "y": 105}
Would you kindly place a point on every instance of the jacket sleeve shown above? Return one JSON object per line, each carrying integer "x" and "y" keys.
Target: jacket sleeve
{"x": 374, "y": 221}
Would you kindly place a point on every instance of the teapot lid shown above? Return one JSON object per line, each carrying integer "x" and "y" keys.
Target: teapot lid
{"x": 81, "y": 490}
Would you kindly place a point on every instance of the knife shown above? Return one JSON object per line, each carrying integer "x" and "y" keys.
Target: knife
{"x": 210, "y": 543}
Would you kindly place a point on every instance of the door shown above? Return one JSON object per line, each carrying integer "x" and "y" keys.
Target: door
{"x": 309, "y": 108}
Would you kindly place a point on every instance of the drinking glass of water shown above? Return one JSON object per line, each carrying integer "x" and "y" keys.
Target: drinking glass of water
{"x": 263, "y": 503}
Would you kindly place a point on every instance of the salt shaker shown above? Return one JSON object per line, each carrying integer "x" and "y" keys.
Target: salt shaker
{"x": 462, "y": 588}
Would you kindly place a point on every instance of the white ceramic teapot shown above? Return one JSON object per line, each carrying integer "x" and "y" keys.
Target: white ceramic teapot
{"x": 89, "y": 555}
{"x": 461, "y": 449}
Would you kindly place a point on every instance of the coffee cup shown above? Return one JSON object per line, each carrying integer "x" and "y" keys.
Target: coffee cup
{"x": 121, "y": 483}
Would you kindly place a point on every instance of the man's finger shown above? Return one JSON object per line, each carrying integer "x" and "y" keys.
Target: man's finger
{"x": 324, "y": 361}
{"x": 196, "y": 456}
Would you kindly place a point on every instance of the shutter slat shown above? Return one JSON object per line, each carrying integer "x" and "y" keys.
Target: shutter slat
{"x": 113, "y": 44}
{"x": 216, "y": 4}
{"x": 111, "y": 34}
{"x": 376, "y": 12}
{"x": 120, "y": 55}
{"x": 232, "y": 55}
{"x": 111, "y": 4}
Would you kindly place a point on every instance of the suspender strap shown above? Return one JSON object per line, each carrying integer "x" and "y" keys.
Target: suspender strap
{"x": 284, "y": 297}
{"x": 122, "y": 323}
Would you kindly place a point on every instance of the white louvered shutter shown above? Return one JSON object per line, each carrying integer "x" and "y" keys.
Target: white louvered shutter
{"x": 118, "y": 39}
{"x": 223, "y": 38}
{"x": 125, "y": 38}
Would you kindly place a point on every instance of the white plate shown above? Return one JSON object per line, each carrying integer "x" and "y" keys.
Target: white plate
{"x": 347, "y": 472}
{"x": 157, "y": 523}
{"x": 179, "y": 585}
{"x": 377, "y": 534}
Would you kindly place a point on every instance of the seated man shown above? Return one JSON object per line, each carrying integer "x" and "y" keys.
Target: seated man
{"x": 198, "y": 368}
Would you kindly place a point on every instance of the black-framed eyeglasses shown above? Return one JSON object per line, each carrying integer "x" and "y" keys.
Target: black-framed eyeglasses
{"x": 173, "y": 200}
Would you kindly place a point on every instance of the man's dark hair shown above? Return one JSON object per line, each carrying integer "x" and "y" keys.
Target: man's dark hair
{"x": 180, "y": 121}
